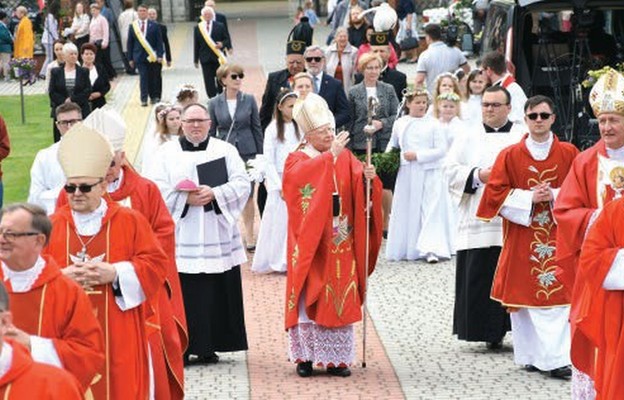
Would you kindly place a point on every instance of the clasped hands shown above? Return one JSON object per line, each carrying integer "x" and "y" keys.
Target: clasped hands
{"x": 542, "y": 193}
{"x": 88, "y": 274}
{"x": 202, "y": 196}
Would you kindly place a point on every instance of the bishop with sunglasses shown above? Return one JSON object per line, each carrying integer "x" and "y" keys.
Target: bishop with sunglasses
{"x": 522, "y": 188}
{"x": 113, "y": 254}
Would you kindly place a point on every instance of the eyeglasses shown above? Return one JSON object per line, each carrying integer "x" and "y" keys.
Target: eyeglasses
{"x": 237, "y": 76}
{"x": 193, "y": 121}
{"x": 543, "y": 116}
{"x": 68, "y": 122}
{"x": 315, "y": 59}
{"x": 11, "y": 236}
{"x": 83, "y": 187}
{"x": 293, "y": 62}
{"x": 493, "y": 105}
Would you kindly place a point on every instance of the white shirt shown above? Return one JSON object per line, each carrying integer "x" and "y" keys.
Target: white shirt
{"x": 46, "y": 179}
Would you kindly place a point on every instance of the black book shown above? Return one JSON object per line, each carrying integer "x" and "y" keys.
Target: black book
{"x": 212, "y": 173}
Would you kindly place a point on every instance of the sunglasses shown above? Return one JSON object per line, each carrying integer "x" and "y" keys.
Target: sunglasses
{"x": 543, "y": 116}
{"x": 237, "y": 76}
{"x": 315, "y": 59}
{"x": 83, "y": 187}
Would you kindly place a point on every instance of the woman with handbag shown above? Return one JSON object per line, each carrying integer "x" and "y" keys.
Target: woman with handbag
{"x": 235, "y": 119}
{"x": 340, "y": 58}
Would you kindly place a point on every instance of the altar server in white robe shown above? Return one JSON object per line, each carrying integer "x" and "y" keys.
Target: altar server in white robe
{"x": 280, "y": 138}
{"x": 419, "y": 224}
{"x": 209, "y": 249}
{"x": 46, "y": 176}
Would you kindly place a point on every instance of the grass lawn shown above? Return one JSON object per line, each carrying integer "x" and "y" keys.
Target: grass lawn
{"x": 26, "y": 140}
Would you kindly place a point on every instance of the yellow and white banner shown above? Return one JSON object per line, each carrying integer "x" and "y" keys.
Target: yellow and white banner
{"x": 211, "y": 43}
{"x": 151, "y": 54}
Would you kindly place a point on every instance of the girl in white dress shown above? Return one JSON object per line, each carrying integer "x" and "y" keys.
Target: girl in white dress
{"x": 168, "y": 120}
{"x": 419, "y": 226}
{"x": 280, "y": 138}
{"x": 446, "y": 109}
{"x": 471, "y": 108}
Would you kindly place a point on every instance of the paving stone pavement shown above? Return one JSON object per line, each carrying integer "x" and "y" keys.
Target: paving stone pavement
{"x": 411, "y": 353}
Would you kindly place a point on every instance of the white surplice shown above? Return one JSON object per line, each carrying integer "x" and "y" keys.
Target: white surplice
{"x": 46, "y": 179}
{"x": 206, "y": 242}
{"x": 419, "y": 223}
{"x": 271, "y": 246}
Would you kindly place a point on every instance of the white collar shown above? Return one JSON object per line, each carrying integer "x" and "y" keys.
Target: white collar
{"x": 22, "y": 281}
{"x": 539, "y": 150}
{"x": 616, "y": 154}
{"x": 116, "y": 184}
{"x": 311, "y": 151}
{"x": 6, "y": 358}
{"x": 90, "y": 224}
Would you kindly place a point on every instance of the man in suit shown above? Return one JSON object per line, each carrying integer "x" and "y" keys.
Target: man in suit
{"x": 220, "y": 17}
{"x": 326, "y": 86}
{"x": 210, "y": 44}
{"x": 380, "y": 45}
{"x": 146, "y": 53}
{"x": 277, "y": 80}
{"x": 152, "y": 14}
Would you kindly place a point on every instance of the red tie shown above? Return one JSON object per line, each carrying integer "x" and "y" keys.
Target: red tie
{"x": 143, "y": 27}
{"x": 208, "y": 26}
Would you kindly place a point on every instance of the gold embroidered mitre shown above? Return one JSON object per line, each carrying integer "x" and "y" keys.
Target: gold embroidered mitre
{"x": 312, "y": 113}
{"x": 607, "y": 95}
{"x": 110, "y": 124}
{"x": 84, "y": 152}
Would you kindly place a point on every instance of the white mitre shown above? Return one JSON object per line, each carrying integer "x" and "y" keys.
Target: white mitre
{"x": 110, "y": 124}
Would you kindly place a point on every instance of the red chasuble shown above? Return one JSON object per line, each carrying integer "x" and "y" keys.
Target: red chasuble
{"x": 57, "y": 308}
{"x": 600, "y": 314}
{"x": 326, "y": 254}
{"x": 167, "y": 322}
{"x": 579, "y": 197}
{"x": 27, "y": 379}
{"x": 525, "y": 274}
{"x": 125, "y": 236}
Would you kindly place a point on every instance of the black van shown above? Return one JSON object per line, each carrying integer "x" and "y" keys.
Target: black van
{"x": 550, "y": 46}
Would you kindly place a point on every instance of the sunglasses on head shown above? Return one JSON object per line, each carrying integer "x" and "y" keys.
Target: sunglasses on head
{"x": 237, "y": 76}
{"x": 83, "y": 187}
{"x": 543, "y": 116}
{"x": 315, "y": 59}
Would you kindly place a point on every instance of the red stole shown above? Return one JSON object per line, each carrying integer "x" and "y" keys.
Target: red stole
{"x": 326, "y": 261}
{"x": 56, "y": 308}
{"x": 509, "y": 79}
{"x": 525, "y": 275}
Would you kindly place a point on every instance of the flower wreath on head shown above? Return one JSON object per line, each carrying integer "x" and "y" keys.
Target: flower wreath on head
{"x": 450, "y": 96}
{"x": 168, "y": 108}
{"x": 185, "y": 88}
{"x": 416, "y": 92}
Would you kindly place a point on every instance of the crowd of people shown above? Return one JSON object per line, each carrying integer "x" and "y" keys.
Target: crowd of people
{"x": 156, "y": 251}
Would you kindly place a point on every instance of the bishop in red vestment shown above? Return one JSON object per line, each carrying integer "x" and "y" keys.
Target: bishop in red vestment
{"x": 166, "y": 324}
{"x": 112, "y": 251}
{"x": 324, "y": 189}
{"x": 524, "y": 181}
{"x": 589, "y": 186}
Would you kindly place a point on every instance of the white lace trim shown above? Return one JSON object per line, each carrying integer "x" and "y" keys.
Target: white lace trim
{"x": 91, "y": 223}
{"x": 323, "y": 346}
{"x": 22, "y": 281}
{"x": 582, "y": 386}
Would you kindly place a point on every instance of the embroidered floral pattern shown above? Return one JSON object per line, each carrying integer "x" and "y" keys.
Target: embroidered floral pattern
{"x": 306, "y": 195}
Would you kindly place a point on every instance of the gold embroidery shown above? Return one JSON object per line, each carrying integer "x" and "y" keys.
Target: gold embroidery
{"x": 291, "y": 300}
{"x": 306, "y": 195}
{"x": 338, "y": 269}
{"x": 295, "y": 256}
{"x": 339, "y": 302}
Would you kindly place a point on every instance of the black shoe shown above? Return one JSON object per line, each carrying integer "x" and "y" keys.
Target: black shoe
{"x": 144, "y": 104}
{"x": 156, "y": 100}
{"x": 339, "y": 371}
{"x": 494, "y": 345}
{"x": 561, "y": 372}
{"x": 531, "y": 368}
{"x": 209, "y": 359}
{"x": 304, "y": 369}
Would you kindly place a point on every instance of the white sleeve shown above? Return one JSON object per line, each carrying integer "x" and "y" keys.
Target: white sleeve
{"x": 232, "y": 196}
{"x": 517, "y": 207}
{"x": 272, "y": 179}
{"x": 615, "y": 278}
{"x": 42, "y": 350}
{"x": 132, "y": 294}
{"x": 39, "y": 192}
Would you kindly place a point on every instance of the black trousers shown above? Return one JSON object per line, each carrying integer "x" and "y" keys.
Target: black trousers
{"x": 209, "y": 71}
{"x": 103, "y": 58}
{"x": 149, "y": 76}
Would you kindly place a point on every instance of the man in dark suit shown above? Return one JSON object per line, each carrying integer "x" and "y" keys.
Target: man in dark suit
{"x": 281, "y": 79}
{"x": 220, "y": 17}
{"x": 148, "y": 59}
{"x": 152, "y": 14}
{"x": 380, "y": 45}
{"x": 326, "y": 86}
{"x": 210, "y": 45}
